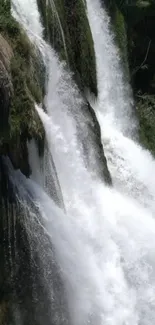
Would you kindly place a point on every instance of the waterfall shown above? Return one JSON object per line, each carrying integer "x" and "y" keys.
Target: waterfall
{"x": 52, "y": 4}
{"x": 113, "y": 109}
{"x": 115, "y": 96}
{"x": 101, "y": 246}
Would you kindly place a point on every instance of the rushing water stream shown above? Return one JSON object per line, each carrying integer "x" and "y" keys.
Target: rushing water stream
{"x": 115, "y": 114}
{"x": 103, "y": 238}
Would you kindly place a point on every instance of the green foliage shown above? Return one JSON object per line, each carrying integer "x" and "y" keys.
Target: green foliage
{"x": 5, "y": 7}
{"x": 8, "y": 26}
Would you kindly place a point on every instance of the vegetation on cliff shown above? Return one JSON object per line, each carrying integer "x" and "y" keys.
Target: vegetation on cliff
{"x": 66, "y": 27}
{"x": 23, "y": 70}
{"x": 20, "y": 86}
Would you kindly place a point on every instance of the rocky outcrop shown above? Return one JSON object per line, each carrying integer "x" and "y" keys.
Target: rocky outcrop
{"x": 67, "y": 28}
{"x": 21, "y": 85}
{"x": 31, "y": 290}
{"x": 94, "y": 152}
{"x": 6, "y": 88}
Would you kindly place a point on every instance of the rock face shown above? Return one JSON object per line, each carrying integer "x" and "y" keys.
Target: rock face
{"x": 6, "y": 54}
{"x": 95, "y": 150}
{"x": 67, "y": 28}
{"x": 25, "y": 278}
{"x": 21, "y": 84}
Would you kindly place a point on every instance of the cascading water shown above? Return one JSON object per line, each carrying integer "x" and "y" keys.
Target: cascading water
{"x": 104, "y": 244}
{"x": 54, "y": 9}
{"x": 115, "y": 96}
{"x": 113, "y": 109}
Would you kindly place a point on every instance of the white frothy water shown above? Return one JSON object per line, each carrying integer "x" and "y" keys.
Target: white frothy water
{"x": 107, "y": 265}
{"x": 115, "y": 98}
{"x": 105, "y": 243}
{"x": 63, "y": 104}
{"x": 26, "y": 12}
{"x": 131, "y": 166}
{"x": 43, "y": 172}
{"x": 54, "y": 8}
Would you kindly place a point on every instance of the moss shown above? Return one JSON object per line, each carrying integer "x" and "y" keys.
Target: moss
{"x": 27, "y": 83}
{"x": 119, "y": 30}
{"x": 24, "y": 121}
{"x": 43, "y": 11}
{"x": 8, "y": 25}
{"x": 146, "y": 115}
{"x": 53, "y": 20}
{"x": 121, "y": 36}
{"x": 67, "y": 28}
{"x": 82, "y": 56}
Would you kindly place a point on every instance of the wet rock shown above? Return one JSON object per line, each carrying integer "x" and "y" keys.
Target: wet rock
{"x": 5, "y": 82}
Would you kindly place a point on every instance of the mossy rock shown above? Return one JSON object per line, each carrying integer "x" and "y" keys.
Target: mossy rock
{"x": 67, "y": 28}
{"x": 5, "y": 84}
{"x": 25, "y": 71}
{"x": 3, "y": 313}
{"x": 119, "y": 29}
{"x": 146, "y": 116}
{"x": 121, "y": 37}
{"x": 96, "y": 143}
